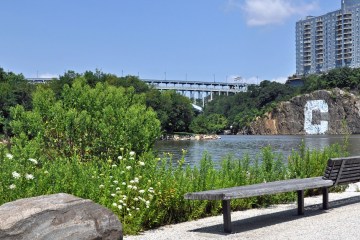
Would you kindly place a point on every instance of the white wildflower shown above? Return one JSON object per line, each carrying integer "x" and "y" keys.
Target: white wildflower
{"x": 132, "y": 153}
{"x": 132, "y": 181}
{"x": 147, "y": 202}
{"x": 9, "y": 156}
{"x": 136, "y": 180}
{"x": 117, "y": 189}
{"x": 123, "y": 183}
{"x": 119, "y": 207}
{"x": 141, "y": 191}
{"x": 115, "y": 182}
{"x": 101, "y": 186}
{"x": 12, "y": 186}
{"x": 141, "y": 163}
{"x": 29, "y": 176}
{"x": 128, "y": 167}
{"x": 130, "y": 186}
{"x": 114, "y": 205}
{"x": 16, "y": 175}
{"x": 122, "y": 149}
{"x": 34, "y": 161}
{"x": 113, "y": 194}
{"x": 46, "y": 172}
{"x": 137, "y": 209}
{"x": 134, "y": 187}
{"x": 120, "y": 158}
{"x": 114, "y": 165}
{"x": 136, "y": 199}
{"x": 121, "y": 201}
{"x": 151, "y": 190}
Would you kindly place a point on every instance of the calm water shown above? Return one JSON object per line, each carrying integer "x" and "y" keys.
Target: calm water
{"x": 240, "y": 145}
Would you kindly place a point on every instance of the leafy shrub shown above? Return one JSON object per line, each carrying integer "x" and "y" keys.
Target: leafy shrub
{"x": 85, "y": 122}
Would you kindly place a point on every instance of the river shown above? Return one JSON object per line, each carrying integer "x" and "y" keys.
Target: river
{"x": 238, "y": 145}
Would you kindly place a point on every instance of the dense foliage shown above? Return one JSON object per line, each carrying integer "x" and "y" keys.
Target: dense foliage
{"x": 14, "y": 89}
{"x": 146, "y": 192}
{"x": 86, "y": 122}
{"x": 346, "y": 78}
{"x": 173, "y": 110}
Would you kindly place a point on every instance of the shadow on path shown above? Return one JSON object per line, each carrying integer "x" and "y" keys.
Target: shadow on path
{"x": 267, "y": 220}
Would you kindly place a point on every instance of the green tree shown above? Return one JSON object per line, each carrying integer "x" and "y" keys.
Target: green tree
{"x": 86, "y": 122}
{"x": 174, "y": 110}
{"x": 14, "y": 89}
{"x": 214, "y": 123}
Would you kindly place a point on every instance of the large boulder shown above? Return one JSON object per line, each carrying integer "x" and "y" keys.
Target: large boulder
{"x": 57, "y": 216}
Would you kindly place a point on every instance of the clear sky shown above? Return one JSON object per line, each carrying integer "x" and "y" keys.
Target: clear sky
{"x": 197, "y": 40}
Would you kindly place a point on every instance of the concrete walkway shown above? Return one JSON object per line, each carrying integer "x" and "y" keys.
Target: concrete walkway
{"x": 341, "y": 221}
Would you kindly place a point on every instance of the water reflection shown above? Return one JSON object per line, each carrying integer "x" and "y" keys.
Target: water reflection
{"x": 237, "y": 146}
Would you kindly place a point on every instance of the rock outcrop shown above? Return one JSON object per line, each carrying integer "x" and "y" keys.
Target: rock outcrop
{"x": 57, "y": 216}
{"x": 321, "y": 112}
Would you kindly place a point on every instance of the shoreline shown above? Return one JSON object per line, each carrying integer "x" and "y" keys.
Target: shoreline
{"x": 189, "y": 137}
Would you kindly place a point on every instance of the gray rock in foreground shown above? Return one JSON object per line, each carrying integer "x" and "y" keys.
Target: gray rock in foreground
{"x": 57, "y": 216}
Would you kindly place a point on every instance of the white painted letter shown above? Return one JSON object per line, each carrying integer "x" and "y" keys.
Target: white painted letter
{"x": 309, "y": 127}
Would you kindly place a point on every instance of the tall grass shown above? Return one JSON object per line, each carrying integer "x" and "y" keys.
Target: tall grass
{"x": 146, "y": 191}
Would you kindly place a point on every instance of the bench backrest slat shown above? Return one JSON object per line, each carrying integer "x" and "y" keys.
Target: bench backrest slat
{"x": 343, "y": 170}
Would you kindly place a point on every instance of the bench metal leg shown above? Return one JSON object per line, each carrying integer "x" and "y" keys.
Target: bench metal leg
{"x": 226, "y": 216}
{"x": 325, "y": 192}
{"x": 300, "y": 198}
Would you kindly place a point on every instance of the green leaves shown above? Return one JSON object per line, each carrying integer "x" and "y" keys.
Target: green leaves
{"x": 213, "y": 123}
{"x": 87, "y": 122}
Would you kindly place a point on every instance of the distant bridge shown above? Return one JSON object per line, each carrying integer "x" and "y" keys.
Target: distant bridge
{"x": 192, "y": 89}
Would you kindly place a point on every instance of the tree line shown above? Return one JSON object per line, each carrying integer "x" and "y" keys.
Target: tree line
{"x": 173, "y": 110}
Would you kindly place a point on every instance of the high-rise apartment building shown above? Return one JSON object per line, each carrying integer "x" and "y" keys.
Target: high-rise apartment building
{"x": 329, "y": 41}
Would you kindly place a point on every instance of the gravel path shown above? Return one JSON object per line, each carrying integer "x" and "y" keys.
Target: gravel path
{"x": 341, "y": 221}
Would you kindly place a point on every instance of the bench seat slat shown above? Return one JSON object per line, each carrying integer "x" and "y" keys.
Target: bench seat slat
{"x": 349, "y": 160}
{"x": 261, "y": 189}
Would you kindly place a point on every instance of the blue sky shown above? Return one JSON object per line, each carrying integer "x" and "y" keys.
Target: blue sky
{"x": 197, "y": 40}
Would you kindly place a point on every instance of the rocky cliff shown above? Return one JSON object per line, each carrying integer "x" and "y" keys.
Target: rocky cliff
{"x": 321, "y": 112}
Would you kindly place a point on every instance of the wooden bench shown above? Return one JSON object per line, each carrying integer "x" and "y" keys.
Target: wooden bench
{"x": 338, "y": 171}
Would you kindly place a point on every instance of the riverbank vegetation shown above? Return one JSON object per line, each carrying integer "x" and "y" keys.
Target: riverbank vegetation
{"x": 145, "y": 191}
